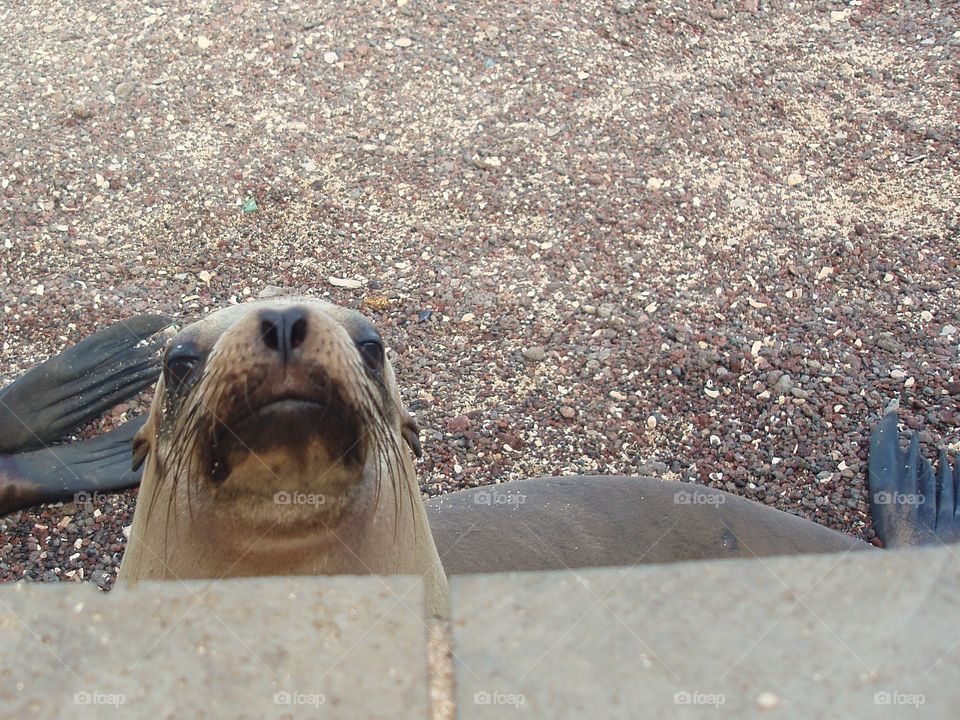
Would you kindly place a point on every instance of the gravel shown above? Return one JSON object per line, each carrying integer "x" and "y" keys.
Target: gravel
{"x": 717, "y": 239}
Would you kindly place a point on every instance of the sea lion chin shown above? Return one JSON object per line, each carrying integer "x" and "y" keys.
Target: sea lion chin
{"x": 277, "y": 444}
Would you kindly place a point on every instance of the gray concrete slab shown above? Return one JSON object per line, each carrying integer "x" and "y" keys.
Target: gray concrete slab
{"x": 862, "y": 635}
{"x": 340, "y": 647}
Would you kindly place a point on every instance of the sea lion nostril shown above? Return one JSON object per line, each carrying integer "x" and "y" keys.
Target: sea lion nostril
{"x": 298, "y": 332}
{"x": 283, "y": 331}
{"x": 270, "y": 334}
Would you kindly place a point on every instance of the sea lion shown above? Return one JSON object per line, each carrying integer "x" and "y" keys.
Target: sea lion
{"x": 277, "y": 444}
{"x": 265, "y": 408}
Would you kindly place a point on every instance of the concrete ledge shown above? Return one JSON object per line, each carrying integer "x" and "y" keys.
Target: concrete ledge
{"x": 861, "y": 635}
{"x": 340, "y": 647}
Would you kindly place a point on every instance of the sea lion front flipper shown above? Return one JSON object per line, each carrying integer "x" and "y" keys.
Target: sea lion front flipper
{"x": 81, "y": 382}
{"x": 76, "y": 471}
{"x": 910, "y": 504}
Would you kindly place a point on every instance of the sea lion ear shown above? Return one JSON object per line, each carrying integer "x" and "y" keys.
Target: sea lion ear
{"x": 141, "y": 446}
{"x": 411, "y": 433}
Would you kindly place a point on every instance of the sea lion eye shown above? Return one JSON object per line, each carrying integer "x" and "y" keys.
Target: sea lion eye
{"x": 180, "y": 362}
{"x": 372, "y": 353}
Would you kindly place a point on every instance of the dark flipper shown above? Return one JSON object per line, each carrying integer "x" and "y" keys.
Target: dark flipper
{"x": 910, "y": 503}
{"x": 80, "y": 383}
{"x": 69, "y": 472}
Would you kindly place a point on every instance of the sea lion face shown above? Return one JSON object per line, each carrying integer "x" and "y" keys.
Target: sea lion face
{"x": 277, "y": 415}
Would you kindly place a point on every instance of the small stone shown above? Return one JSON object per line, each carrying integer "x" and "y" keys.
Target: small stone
{"x": 123, "y": 89}
{"x": 617, "y": 395}
{"x": 205, "y": 276}
{"x": 948, "y": 330}
{"x": 767, "y": 151}
{"x": 347, "y": 283}
{"x": 487, "y": 162}
{"x": 273, "y": 291}
{"x": 654, "y": 183}
{"x": 568, "y": 412}
{"x": 750, "y": 5}
{"x": 783, "y": 385}
{"x": 794, "y": 179}
{"x": 839, "y": 16}
{"x": 203, "y": 42}
{"x": 651, "y": 422}
{"x": 468, "y": 318}
{"x": 711, "y": 393}
{"x": 458, "y": 424}
{"x": 81, "y": 111}
{"x": 536, "y": 353}
{"x": 403, "y": 42}
{"x": 330, "y": 57}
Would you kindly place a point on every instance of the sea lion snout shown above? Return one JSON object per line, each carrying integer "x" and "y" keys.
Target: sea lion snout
{"x": 289, "y": 406}
{"x": 284, "y": 330}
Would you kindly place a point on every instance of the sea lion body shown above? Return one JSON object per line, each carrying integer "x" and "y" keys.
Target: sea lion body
{"x": 588, "y": 521}
{"x": 275, "y": 446}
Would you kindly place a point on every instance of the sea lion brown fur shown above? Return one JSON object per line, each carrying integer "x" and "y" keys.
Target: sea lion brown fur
{"x": 275, "y": 446}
